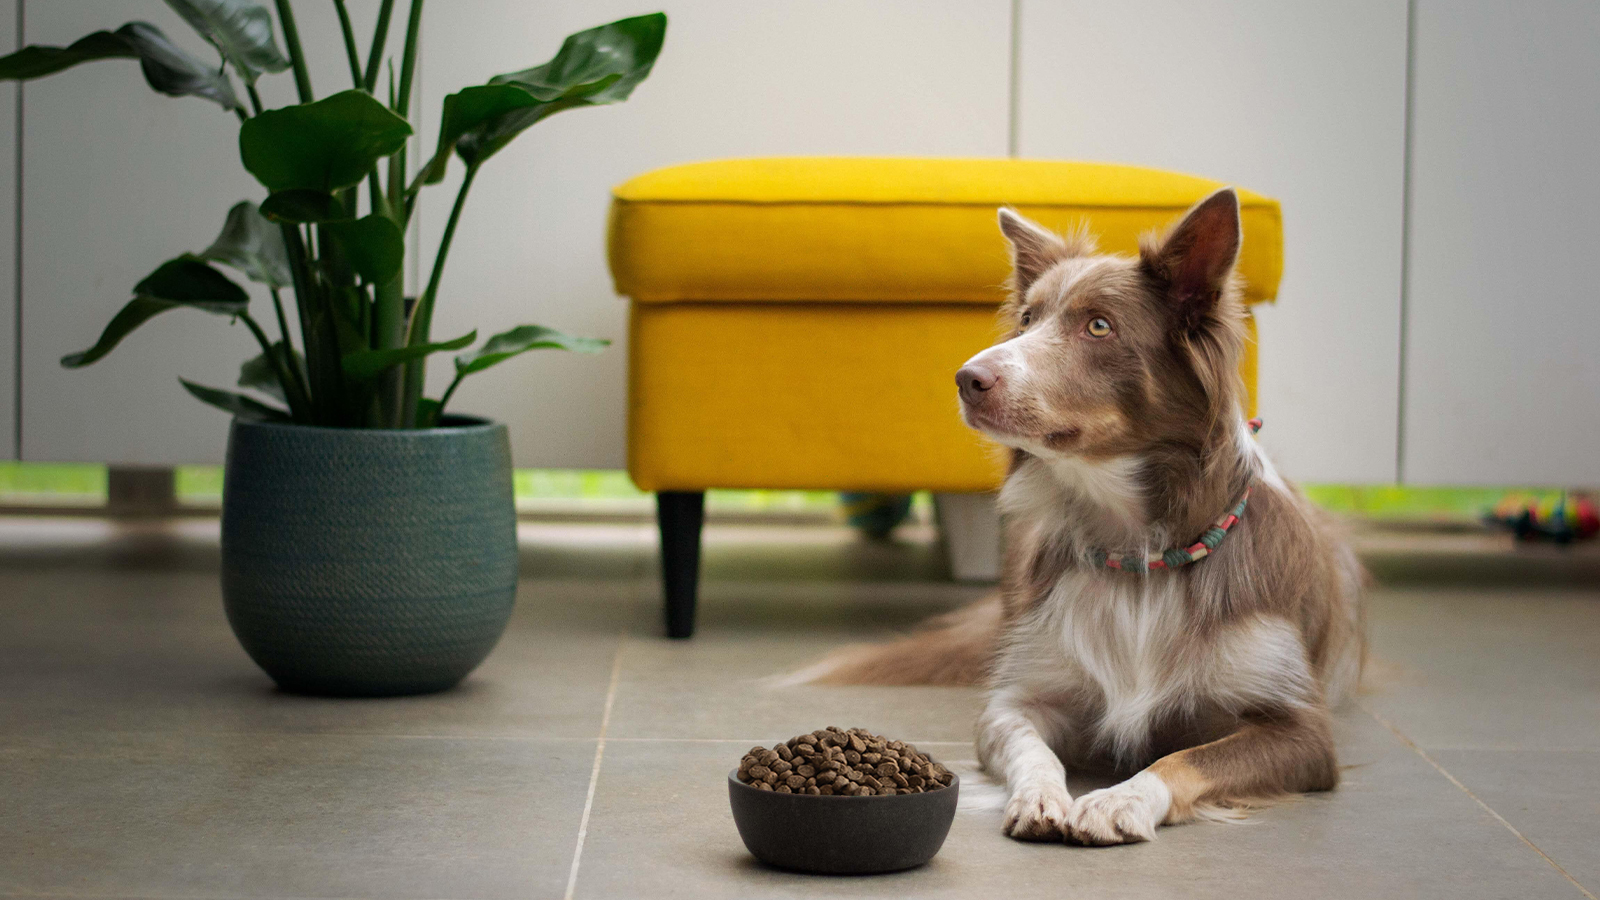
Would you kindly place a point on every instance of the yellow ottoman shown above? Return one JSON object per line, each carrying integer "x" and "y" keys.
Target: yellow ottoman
{"x": 797, "y": 322}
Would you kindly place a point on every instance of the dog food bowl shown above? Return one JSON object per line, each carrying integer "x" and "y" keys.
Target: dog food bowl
{"x": 839, "y": 835}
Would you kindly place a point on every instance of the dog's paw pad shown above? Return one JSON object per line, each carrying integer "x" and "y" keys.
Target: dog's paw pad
{"x": 1122, "y": 814}
{"x": 1038, "y": 814}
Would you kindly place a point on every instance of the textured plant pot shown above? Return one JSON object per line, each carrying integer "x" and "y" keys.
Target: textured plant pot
{"x": 366, "y": 562}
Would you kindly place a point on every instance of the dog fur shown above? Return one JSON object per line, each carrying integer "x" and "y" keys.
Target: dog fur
{"x": 1117, "y": 392}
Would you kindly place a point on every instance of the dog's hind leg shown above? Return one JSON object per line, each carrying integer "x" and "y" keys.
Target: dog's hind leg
{"x": 1266, "y": 757}
{"x": 1014, "y": 744}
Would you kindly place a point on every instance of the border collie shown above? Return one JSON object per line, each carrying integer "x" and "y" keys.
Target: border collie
{"x": 1170, "y": 607}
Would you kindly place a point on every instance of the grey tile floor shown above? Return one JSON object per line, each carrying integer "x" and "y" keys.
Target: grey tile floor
{"x": 141, "y": 754}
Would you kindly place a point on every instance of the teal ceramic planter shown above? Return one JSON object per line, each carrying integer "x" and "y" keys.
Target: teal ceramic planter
{"x": 365, "y": 562}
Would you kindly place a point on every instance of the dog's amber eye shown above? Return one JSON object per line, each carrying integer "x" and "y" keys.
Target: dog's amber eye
{"x": 1099, "y": 327}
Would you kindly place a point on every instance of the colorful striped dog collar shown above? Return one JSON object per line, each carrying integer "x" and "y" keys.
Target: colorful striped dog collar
{"x": 1181, "y": 556}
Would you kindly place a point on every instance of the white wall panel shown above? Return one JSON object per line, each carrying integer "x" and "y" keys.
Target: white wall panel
{"x": 8, "y": 241}
{"x": 1503, "y": 362}
{"x": 118, "y": 179}
{"x": 1303, "y": 102}
{"x": 735, "y": 79}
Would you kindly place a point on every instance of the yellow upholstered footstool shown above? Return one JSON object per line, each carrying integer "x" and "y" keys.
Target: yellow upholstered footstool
{"x": 797, "y": 323}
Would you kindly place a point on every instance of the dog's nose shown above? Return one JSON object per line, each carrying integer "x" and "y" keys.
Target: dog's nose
{"x": 976, "y": 381}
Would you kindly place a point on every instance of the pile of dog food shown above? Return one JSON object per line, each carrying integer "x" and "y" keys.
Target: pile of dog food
{"x": 831, "y": 761}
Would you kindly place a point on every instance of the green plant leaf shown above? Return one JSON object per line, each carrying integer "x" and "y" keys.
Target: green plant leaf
{"x": 166, "y": 66}
{"x": 471, "y": 108}
{"x": 598, "y": 66}
{"x": 521, "y": 339}
{"x": 324, "y": 146}
{"x": 38, "y": 60}
{"x": 246, "y": 408}
{"x": 252, "y": 245}
{"x": 241, "y": 30}
{"x": 374, "y": 246}
{"x": 303, "y": 206}
{"x": 182, "y": 282}
{"x": 368, "y": 364}
{"x": 172, "y": 71}
{"x": 260, "y": 374}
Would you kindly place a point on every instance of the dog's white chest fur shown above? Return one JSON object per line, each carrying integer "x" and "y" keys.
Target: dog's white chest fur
{"x": 1122, "y": 648}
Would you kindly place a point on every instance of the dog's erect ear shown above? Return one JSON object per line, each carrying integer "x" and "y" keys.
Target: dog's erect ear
{"x": 1194, "y": 262}
{"x": 1034, "y": 248}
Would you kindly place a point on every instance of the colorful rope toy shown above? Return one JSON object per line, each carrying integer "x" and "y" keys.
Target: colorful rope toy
{"x": 1563, "y": 519}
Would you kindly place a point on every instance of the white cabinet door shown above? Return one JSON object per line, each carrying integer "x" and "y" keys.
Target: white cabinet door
{"x": 885, "y": 77}
{"x": 1304, "y": 102}
{"x": 1503, "y": 355}
{"x": 116, "y": 180}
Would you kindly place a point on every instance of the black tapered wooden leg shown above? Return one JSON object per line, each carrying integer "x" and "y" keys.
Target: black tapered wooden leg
{"x": 680, "y": 514}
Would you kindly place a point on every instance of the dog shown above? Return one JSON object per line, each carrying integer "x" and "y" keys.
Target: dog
{"x": 1207, "y": 670}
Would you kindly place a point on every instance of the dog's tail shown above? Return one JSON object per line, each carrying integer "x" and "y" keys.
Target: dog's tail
{"x": 953, "y": 649}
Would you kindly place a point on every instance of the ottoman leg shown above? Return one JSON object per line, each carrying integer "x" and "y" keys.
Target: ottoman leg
{"x": 679, "y": 514}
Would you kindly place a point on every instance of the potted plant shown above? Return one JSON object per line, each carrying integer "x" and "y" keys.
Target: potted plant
{"x": 369, "y": 542}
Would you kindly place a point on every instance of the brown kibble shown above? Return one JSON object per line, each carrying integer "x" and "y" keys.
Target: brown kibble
{"x": 842, "y": 763}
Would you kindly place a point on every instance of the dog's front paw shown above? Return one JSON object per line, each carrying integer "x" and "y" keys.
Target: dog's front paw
{"x": 1121, "y": 814}
{"x": 1038, "y": 812}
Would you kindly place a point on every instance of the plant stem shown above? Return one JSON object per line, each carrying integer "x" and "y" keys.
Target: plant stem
{"x": 323, "y": 369}
{"x": 288, "y": 346}
{"x": 297, "y": 56}
{"x": 388, "y": 333}
{"x": 408, "y": 62}
{"x": 448, "y": 393}
{"x": 380, "y": 35}
{"x": 422, "y": 316}
{"x": 291, "y": 392}
{"x": 255, "y": 98}
{"x": 350, "y": 52}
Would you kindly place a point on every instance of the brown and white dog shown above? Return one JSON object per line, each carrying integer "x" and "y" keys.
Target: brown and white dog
{"x": 1117, "y": 392}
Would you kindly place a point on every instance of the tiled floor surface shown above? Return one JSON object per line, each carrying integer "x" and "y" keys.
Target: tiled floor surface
{"x": 142, "y": 755}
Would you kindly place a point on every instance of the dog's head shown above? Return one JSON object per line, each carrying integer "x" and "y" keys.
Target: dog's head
{"x": 1111, "y": 355}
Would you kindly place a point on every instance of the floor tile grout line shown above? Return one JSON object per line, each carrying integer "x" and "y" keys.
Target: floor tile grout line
{"x": 594, "y": 771}
{"x": 1476, "y": 799}
{"x": 599, "y": 749}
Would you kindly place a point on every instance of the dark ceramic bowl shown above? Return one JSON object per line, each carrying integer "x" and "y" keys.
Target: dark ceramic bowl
{"x": 838, "y": 835}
